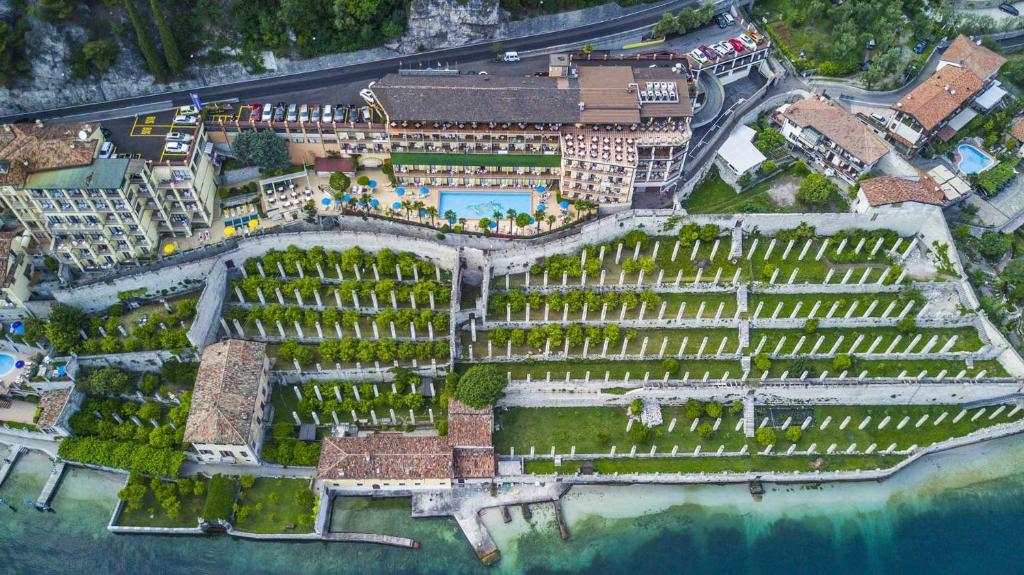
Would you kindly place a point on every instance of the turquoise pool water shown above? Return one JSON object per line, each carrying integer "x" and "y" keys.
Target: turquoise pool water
{"x": 973, "y": 160}
{"x": 6, "y": 363}
{"x": 476, "y": 205}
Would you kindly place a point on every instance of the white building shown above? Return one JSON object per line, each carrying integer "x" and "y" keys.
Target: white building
{"x": 225, "y": 420}
{"x": 739, "y": 153}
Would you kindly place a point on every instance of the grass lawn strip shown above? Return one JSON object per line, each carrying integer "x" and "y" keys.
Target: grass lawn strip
{"x": 275, "y": 506}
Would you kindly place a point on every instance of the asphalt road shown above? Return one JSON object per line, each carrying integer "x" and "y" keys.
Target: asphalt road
{"x": 255, "y": 90}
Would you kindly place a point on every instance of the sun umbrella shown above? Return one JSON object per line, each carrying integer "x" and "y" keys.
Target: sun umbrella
{"x": 372, "y": 184}
{"x": 540, "y": 189}
{"x": 492, "y": 225}
{"x": 169, "y": 249}
{"x": 346, "y": 198}
{"x": 423, "y": 213}
{"x": 253, "y": 224}
{"x": 326, "y": 201}
{"x": 564, "y": 204}
{"x": 229, "y": 231}
{"x": 374, "y": 203}
{"x": 452, "y": 220}
{"x": 424, "y": 190}
{"x": 400, "y": 191}
{"x": 541, "y": 207}
{"x": 396, "y": 206}
{"x": 532, "y": 221}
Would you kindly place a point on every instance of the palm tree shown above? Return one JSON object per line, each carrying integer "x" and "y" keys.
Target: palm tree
{"x": 432, "y": 212}
{"x": 551, "y": 221}
{"x": 365, "y": 198}
{"x": 449, "y": 216}
{"x": 511, "y": 219}
{"x": 484, "y": 223}
{"x": 407, "y": 206}
{"x": 418, "y": 206}
{"x": 462, "y": 223}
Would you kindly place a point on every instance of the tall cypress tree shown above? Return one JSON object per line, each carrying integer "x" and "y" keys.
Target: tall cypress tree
{"x": 174, "y": 59}
{"x": 156, "y": 64}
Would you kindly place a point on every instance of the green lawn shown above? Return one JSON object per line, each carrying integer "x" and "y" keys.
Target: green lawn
{"x": 564, "y": 427}
{"x": 721, "y": 464}
{"x": 497, "y": 160}
{"x": 676, "y": 338}
{"x": 617, "y": 370}
{"x": 276, "y": 506}
{"x": 967, "y": 339}
{"x": 923, "y": 436}
{"x": 690, "y": 304}
{"x": 807, "y": 301}
{"x": 886, "y": 368}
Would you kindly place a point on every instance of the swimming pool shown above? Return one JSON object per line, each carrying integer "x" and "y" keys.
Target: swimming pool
{"x": 973, "y": 160}
{"x": 6, "y": 363}
{"x": 476, "y": 205}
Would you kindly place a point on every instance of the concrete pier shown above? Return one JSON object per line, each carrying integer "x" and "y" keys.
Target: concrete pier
{"x": 9, "y": 462}
{"x": 43, "y": 502}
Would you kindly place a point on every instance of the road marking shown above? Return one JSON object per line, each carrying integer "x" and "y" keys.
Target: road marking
{"x": 146, "y": 131}
{"x": 150, "y": 120}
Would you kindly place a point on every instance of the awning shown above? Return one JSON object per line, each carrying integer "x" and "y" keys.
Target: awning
{"x": 739, "y": 153}
{"x": 990, "y": 97}
{"x": 961, "y": 119}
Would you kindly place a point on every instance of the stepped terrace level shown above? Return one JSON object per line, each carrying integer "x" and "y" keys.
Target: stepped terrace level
{"x": 597, "y": 132}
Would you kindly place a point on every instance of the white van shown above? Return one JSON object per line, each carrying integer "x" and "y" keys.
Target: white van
{"x": 511, "y": 57}
{"x": 267, "y": 112}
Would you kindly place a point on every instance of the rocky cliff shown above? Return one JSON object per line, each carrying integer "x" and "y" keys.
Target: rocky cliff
{"x": 434, "y": 24}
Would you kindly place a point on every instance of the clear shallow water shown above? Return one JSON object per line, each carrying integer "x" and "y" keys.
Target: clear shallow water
{"x": 474, "y": 205}
{"x": 6, "y": 363}
{"x": 972, "y": 160}
{"x": 957, "y": 513}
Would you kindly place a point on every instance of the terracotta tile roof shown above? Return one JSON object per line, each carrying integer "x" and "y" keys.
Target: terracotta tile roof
{"x": 224, "y": 405}
{"x": 469, "y": 427}
{"x": 1017, "y": 131}
{"x": 965, "y": 53}
{"x": 385, "y": 456}
{"x": 893, "y": 190}
{"x": 838, "y": 125}
{"x": 28, "y": 148}
{"x": 7, "y": 264}
{"x": 345, "y": 165}
{"x": 939, "y": 96}
{"x": 474, "y": 463}
{"x": 52, "y": 405}
{"x": 466, "y": 452}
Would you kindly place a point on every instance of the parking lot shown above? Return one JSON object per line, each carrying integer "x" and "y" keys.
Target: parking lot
{"x": 145, "y": 136}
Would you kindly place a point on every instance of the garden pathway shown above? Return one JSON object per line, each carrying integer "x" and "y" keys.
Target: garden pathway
{"x": 263, "y": 470}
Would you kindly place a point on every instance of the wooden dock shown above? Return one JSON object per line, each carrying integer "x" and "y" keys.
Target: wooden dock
{"x": 9, "y": 462}
{"x": 43, "y": 502}
{"x": 505, "y": 515}
{"x": 375, "y": 538}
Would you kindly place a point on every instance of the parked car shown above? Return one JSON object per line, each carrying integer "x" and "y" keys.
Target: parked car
{"x": 722, "y": 48}
{"x": 186, "y": 120}
{"x": 175, "y": 147}
{"x": 178, "y": 137}
{"x": 510, "y": 57}
{"x": 366, "y": 95}
{"x": 1009, "y": 9}
{"x": 711, "y": 54}
{"x": 747, "y": 41}
{"x": 293, "y": 112}
{"x": 878, "y": 118}
{"x": 722, "y": 23}
{"x": 255, "y": 112}
{"x": 755, "y": 35}
{"x": 279, "y": 112}
{"x": 328, "y": 114}
{"x": 367, "y": 115}
{"x": 339, "y": 113}
{"x": 188, "y": 110}
{"x": 304, "y": 113}
{"x": 920, "y": 46}
{"x": 865, "y": 65}
{"x": 106, "y": 150}
{"x": 729, "y": 20}
{"x": 699, "y": 56}
{"x": 314, "y": 115}
{"x": 737, "y": 45}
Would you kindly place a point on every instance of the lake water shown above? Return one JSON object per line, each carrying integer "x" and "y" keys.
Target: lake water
{"x": 954, "y": 513}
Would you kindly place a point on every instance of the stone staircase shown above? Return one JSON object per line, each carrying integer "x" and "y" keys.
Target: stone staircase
{"x": 736, "y": 250}
{"x": 748, "y": 417}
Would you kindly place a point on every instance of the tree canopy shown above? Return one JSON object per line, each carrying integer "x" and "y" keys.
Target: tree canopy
{"x": 480, "y": 386}
{"x": 816, "y": 190}
{"x": 262, "y": 148}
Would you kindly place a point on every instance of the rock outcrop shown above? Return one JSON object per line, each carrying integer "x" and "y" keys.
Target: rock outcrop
{"x": 434, "y": 24}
